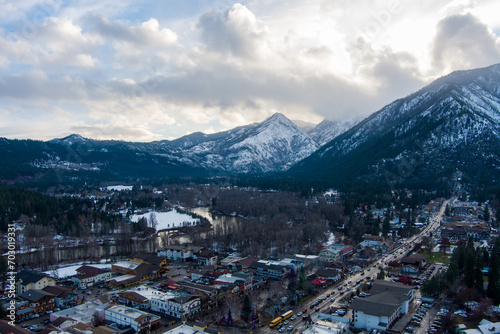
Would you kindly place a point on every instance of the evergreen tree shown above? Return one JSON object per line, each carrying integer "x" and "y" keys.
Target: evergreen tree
{"x": 458, "y": 257}
{"x": 302, "y": 278}
{"x": 386, "y": 226}
{"x": 486, "y": 258}
{"x": 3, "y": 312}
{"x": 447, "y": 211}
{"x": 486, "y": 215}
{"x": 376, "y": 227}
{"x": 246, "y": 310}
{"x": 497, "y": 219}
{"x": 381, "y": 274}
{"x": 493, "y": 290}
{"x": 3, "y": 269}
{"x": 478, "y": 274}
{"x": 452, "y": 273}
{"x": 470, "y": 264}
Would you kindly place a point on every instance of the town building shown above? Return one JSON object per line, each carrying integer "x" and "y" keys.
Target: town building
{"x": 39, "y": 300}
{"x": 89, "y": 276}
{"x": 27, "y": 279}
{"x": 179, "y": 253}
{"x": 388, "y": 302}
{"x": 272, "y": 269}
{"x": 176, "y": 305}
{"x": 64, "y": 296}
{"x": 140, "y": 321}
{"x": 335, "y": 252}
{"x": 83, "y": 313}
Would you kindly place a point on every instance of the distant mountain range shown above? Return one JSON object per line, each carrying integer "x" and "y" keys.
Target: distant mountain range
{"x": 449, "y": 127}
{"x": 273, "y": 145}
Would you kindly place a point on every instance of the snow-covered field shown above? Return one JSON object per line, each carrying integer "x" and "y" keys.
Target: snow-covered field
{"x": 71, "y": 270}
{"x": 119, "y": 188}
{"x": 168, "y": 220}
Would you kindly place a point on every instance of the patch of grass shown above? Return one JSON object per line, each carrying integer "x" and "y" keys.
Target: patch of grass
{"x": 437, "y": 257}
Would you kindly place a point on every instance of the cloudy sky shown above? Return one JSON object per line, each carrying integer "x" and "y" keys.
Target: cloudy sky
{"x": 149, "y": 70}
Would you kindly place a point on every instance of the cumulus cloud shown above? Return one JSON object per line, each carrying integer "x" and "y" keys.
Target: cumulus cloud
{"x": 462, "y": 41}
{"x": 37, "y": 85}
{"x": 147, "y": 34}
{"x": 140, "y": 72}
{"x": 53, "y": 42}
{"x": 236, "y": 31}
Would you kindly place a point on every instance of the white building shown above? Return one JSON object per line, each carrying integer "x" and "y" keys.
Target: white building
{"x": 388, "y": 301}
{"x": 140, "y": 321}
{"x": 179, "y": 252}
{"x": 484, "y": 327}
{"x": 177, "y": 306}
{"x": 83, "y": 313}
{"x": 327, "y": 324}
{"x": 185, "y": 329}
{"x": 88, "y": 276}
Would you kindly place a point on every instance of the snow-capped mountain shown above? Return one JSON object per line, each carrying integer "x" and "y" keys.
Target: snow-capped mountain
{"x": 273, "y": 145}
{"x": 328, "y": 130}
{"x": 452, "y": 124}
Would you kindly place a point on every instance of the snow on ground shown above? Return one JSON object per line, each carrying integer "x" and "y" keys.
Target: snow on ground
{"x": 168, "y": 220}
{"x": 331, "y": 239}
{"x": 119, "y": 188}
{"x": 331, "y": 192}
{"x": 71, "y": 270}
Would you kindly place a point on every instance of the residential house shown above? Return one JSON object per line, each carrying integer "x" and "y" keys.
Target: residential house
{"x": 27, "y": 280}
{"x": 140, "y": 321}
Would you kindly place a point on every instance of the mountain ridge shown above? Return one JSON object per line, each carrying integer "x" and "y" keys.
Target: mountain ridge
{"x": 444, "y": 122}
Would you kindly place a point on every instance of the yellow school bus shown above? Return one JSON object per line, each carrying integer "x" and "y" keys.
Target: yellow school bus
{"x": 276, "y": 322}
{"x": 287, "y": 314}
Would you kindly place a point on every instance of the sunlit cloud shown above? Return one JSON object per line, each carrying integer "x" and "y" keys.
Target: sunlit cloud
{"x": 148, "y": 71}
